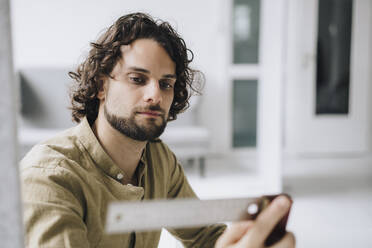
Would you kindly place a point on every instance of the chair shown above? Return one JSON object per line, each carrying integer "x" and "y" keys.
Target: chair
{"x": 188, "y": 139}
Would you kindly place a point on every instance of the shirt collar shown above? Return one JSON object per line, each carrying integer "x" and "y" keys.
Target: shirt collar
{"x": 98, "y": 154}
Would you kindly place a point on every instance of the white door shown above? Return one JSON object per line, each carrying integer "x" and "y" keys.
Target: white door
{"x": 257, "y": 119}
{"x": 309, "y": 132}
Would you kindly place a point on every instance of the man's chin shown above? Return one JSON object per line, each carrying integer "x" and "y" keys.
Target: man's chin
{"x": 137, "y": 128}
{"x": 153, "y": 132}
{"x": 151, "y": 124}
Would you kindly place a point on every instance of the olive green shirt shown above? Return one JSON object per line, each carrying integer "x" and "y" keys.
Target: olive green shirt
{"x": 68, "y": 181}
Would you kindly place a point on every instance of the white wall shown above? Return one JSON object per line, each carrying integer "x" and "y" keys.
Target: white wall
{"x": 57, "y": 34}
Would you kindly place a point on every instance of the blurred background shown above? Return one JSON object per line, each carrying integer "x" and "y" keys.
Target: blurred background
{"x": 286, "y": 106}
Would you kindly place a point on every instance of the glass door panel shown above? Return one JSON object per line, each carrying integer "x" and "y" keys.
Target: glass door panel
{"x": 245, "y": 113}
{"x": 246, "y": 24}
{"x": 333, "y": 56}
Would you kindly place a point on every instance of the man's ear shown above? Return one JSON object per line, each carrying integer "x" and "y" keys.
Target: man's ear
{"x": 102, "y": 92}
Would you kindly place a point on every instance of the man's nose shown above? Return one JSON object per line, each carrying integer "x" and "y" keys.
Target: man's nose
{"x": 152, "y": 92}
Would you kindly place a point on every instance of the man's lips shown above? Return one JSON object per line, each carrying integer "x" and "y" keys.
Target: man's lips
{"x": 150, "y": 113}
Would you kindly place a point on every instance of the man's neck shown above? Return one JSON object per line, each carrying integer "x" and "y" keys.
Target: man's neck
{"x": 124, "y": 151}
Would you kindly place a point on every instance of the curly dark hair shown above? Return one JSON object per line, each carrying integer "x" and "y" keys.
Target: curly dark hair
{"x": 105, "y": 53}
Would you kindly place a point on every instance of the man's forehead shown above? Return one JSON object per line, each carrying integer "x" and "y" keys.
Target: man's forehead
{"x": 126, "y": 48}
{"x": 143, "y": 47}
{"x": 147, "y": 55}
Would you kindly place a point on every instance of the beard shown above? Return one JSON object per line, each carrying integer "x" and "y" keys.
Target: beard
{"x": 130, "y": 128}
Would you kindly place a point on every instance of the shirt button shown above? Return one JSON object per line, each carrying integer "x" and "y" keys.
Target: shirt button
{"x": 120, "y": 176}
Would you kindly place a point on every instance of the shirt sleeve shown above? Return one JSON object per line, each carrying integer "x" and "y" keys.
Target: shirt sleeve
{"x": 190, "y": 237}
{"x": 53, "y": 209}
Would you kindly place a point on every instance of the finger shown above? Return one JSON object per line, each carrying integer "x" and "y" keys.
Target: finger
{"x": 233, "y": 233}
{"x": 288, "y": 241}
{"x": 266, "y": 221}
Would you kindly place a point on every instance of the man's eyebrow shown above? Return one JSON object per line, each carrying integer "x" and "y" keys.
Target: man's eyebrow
{"x": 139, "y": 69}
{"x": 170, "y": 76}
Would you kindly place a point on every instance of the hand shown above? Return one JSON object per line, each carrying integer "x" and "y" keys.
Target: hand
{"x": 252, "y": 234}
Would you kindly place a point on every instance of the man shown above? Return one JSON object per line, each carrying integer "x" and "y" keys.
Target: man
{"x": 135, "y": 79}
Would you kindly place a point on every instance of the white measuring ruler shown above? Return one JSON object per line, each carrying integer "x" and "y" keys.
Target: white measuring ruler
{"x": 155, "y": 214}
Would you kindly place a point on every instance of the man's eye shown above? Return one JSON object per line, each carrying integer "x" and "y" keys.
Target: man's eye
{"x": 137, "y": 80}
{"x": 166, "y": 85}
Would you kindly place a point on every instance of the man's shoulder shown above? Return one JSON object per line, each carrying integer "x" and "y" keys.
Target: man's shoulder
{"x": 64, "y": 147}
